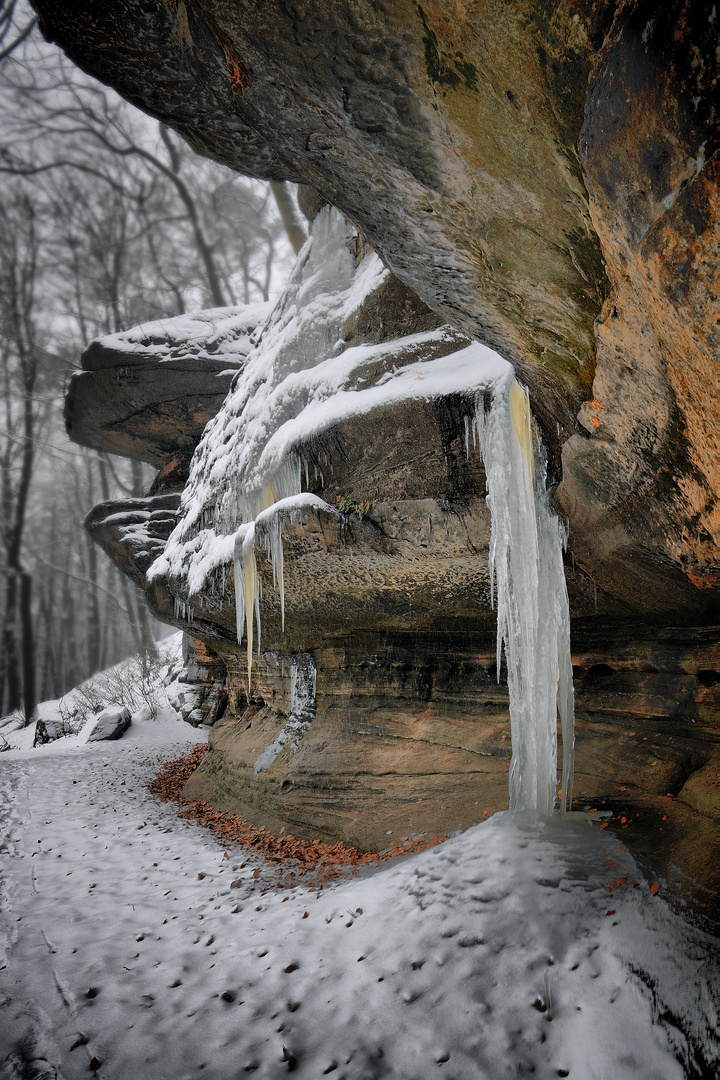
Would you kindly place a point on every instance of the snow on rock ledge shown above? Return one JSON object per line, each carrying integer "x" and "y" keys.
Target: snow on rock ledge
{"x": 301, "y": 381}
{"x": 148, "y": 392}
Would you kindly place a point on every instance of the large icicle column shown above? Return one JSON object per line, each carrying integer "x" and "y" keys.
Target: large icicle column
{"x": 533, "y": 617}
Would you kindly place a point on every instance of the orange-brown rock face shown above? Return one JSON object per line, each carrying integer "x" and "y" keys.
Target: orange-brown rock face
{"x": 642, "y": 484}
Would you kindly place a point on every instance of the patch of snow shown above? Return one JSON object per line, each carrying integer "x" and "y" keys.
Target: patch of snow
{"x": 218, "y": 334}
{"x": 521, "y": 947}
{"x": 146, "y": 693}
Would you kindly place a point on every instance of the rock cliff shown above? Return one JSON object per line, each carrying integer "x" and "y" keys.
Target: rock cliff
{"x": 543, "y": 177}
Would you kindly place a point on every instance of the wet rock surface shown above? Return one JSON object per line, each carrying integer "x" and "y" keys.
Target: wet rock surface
{"x": 200, "y": 693}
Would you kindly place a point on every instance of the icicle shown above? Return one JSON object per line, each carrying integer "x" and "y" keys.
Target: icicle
{"x": 239, "y": 583}
{"x": 533, "y": 623}
{"x": 274, "y": 548}
{"x": 284, "y": 484}
{"x": 252, "y": 595}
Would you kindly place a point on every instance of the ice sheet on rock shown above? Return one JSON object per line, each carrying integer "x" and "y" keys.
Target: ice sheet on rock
{"x": 302, "y": 710}
{"x": 526, "y": 546}
{"x": 228, "y": 486}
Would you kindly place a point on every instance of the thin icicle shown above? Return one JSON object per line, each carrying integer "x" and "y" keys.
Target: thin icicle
{"x": 252, "y": 596}
{"x": 239, "y": 583}
{"x": 533, "y": 623}
{"x": 274, "y": 548}
{"x": 265, "y": 529}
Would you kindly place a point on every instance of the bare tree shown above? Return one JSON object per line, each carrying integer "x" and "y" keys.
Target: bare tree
{"x": 18, "y": 283}
{"x": 107, "y": 219}
{"x": 15, "y": 27}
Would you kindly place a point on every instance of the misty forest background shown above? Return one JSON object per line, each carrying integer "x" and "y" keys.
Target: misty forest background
{"x": 107, "y": 220}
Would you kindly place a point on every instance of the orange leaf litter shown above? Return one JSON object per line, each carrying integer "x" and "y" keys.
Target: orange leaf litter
{"x": 292, "y": 858}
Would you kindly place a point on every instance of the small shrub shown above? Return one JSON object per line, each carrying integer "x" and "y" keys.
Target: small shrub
{"x": 133, "y": 683}
{"x": 362, "y": 509}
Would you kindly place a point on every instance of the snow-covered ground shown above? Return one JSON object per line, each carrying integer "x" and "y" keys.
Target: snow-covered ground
{"x": 131, "y": 939}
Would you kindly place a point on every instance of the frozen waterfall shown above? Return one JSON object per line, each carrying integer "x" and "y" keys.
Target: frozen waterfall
{"x": 301, "y": 379}
{"x": 533, "y": 621}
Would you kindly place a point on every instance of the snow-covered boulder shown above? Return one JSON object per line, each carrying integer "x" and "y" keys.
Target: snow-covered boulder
{"x": 47, "y": 731}
{"x": 110, "y": 724}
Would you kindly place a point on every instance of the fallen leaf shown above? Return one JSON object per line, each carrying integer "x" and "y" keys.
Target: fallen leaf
{"x": 655, "y": 888}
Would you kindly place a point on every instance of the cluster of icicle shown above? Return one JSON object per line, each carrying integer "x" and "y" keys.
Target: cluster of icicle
{"x": 246, "y": 579}
{"x": 533, "y": 621}
{"x": 526, "y": 571}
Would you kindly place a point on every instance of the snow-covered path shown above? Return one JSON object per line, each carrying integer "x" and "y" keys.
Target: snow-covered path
{"x": 510, "y": 950}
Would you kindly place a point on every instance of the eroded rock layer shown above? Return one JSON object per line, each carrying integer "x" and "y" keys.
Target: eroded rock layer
{"x": 148, "y": 393}
{"x": 411, "y": 734}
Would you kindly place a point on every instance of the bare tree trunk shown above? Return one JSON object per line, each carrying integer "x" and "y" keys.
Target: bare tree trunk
{"x": 10, "y": 652}
{"x": 295, "y": 231}
{"x": 95, "y": 638}
{"x": 138, "y": 485}
{"x": 47, "y": 663}
{"x": 28, "y": 648}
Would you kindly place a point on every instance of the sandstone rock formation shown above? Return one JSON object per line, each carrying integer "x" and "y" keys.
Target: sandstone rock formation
{"x": 147, "y": 393}
{"x": 133, "y": 532}
{"x": 531, "y": 170}
{"x": 544, "y": 177}
{"x": 389, "y": 600}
